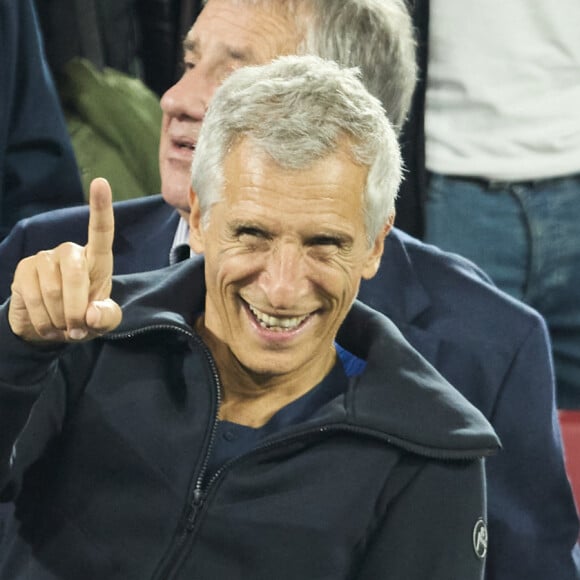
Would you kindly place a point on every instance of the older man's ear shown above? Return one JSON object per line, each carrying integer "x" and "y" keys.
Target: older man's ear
{"x": 195, "y": 227}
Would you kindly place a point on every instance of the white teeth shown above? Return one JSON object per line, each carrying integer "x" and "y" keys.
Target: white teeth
{"x": 276, "y": 322}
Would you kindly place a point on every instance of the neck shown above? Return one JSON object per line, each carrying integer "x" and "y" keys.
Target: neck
{"x": 252, "y": 399}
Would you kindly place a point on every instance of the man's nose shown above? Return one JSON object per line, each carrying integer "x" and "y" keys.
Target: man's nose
{"x": 189, "y": 97}
{"x": 284, "y": 280}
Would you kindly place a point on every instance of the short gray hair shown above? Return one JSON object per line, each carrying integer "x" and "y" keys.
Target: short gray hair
{"x": 298, "y": 109}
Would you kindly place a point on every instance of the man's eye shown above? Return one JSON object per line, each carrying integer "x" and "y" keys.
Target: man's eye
{"x": 326, "y": 241}
{"x": 186, "y": 66}
{"x": 251, "y": 232}
{"x": 252, "y": 237}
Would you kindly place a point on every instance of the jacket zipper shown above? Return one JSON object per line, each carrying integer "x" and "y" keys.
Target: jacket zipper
{"x": 170, "y": 562}
{"x": 198, "y": 492}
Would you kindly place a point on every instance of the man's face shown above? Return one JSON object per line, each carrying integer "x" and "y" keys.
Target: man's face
{"x": 285, "y": 252}
{"x": 224, "y": 37}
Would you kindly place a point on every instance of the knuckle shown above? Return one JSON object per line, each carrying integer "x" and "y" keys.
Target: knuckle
{"x": 25, "y": 266}
{"x": 33, "y": 301}
{"x": 45, "y": 255}
{"x": 52, "y": 292}
{"x": 45, "y": 260}
{"x": 69, "y": 252}
{"x": 68, "y": 248}
{"x": 75, "y": 270}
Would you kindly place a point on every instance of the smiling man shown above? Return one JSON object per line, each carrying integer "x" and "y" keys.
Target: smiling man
{"x": 285, "y": 253}
{"x": 494, "y": 350}
{"x": 266, "y": 425}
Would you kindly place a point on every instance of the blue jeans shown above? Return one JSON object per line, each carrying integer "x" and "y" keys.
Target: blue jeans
{"x": 526, "y": 236}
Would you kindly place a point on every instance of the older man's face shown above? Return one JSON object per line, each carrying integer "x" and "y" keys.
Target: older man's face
{"x": 224, "y": 37}
{"x": 285, "y": 252}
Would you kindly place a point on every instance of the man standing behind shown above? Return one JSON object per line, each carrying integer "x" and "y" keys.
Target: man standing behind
{"x": 502, "y": 151}
{"x": 492, "y": 349}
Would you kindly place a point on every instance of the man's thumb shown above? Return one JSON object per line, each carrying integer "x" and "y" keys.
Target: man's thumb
{"x": 103, "y": 315}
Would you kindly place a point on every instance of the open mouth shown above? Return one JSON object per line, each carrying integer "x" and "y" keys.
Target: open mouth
{"x": 184, "y": 144}
{"x": 277, "y": 323}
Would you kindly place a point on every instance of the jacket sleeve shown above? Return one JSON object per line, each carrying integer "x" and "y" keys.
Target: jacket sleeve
{"x": 25, "y": 373}
{"x": 434, "y": 529}
{"x": 531, "y": 507}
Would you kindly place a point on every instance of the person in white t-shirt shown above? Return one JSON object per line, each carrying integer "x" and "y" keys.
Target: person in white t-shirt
{"x": 502, "y": 145}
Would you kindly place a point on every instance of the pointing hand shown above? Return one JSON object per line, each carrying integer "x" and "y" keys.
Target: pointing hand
{"x": 63, "y": 295}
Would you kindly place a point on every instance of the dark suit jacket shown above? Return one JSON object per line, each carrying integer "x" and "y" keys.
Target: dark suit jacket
{"x": 38, "y": 171}
{"x": 492, "y": 348}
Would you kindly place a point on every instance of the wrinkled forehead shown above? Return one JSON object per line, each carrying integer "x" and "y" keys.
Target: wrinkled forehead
{"x": 253, "y": 31}
{"x": 332, "y": 178}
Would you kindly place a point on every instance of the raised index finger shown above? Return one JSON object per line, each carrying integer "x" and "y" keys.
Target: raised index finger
{"x": 99, "y": 248}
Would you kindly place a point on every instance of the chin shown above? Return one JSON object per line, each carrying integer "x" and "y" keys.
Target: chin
{"x": 270, "y": 368}
{"x": 176, "y": 197}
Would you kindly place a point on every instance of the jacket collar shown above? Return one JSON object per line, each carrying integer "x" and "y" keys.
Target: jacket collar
{"x": 404, "y": 395}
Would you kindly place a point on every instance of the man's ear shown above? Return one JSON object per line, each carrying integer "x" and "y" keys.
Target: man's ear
{"x": 195, "y": 226}
{"x": 373, "y": 259}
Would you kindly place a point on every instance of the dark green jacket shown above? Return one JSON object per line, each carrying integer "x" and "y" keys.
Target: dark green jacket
{"x": 114, "y": 122}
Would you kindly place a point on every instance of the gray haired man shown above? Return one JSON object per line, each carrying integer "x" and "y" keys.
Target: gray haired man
{"x": 265, "y": 425}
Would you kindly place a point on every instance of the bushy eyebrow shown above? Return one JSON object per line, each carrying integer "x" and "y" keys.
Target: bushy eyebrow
{"x": 243, "y": 226}
{"x": 189, "y": 45}
{"x": 242, "y": 55}
{"x": 341, "y": 240}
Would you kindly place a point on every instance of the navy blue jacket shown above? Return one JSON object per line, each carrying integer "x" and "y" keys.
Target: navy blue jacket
{"x": 493, "y": 349}
{"x": 104, "y": 448}
{"x": 38, "y": 170}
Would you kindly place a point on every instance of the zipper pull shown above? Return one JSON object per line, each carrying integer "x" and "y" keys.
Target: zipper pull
{"x": 195, "y": 506}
